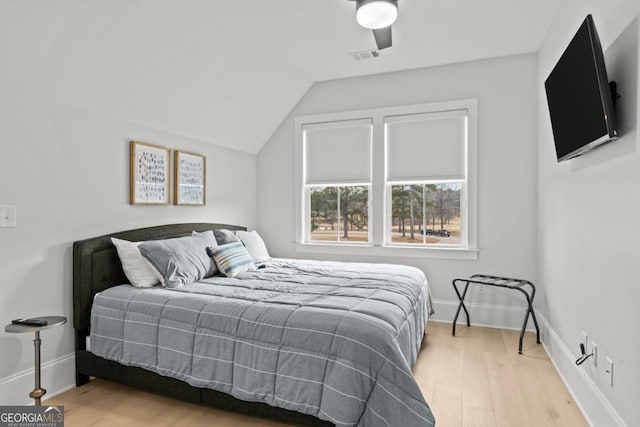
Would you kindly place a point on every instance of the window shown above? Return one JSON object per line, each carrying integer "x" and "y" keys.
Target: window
{"x": 337, "y": 177}
{"x": 426, "y": 173}
{"x": 388, "y": 180}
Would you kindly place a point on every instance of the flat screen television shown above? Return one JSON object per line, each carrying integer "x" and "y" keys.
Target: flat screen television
{"x": 579, "y": 96}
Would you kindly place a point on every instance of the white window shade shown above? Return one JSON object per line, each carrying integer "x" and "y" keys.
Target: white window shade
{"x": 424, "y": 147}
{"x": 338, "y": 152}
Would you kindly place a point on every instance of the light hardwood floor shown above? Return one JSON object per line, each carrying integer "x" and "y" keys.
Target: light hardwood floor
{"x": 476, "y": 378}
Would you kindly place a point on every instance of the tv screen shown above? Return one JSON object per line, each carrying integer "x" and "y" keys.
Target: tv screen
{"x": 578, "y": 95}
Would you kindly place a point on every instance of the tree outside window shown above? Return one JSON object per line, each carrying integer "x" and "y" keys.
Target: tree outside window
{"x": 339, "y": 213}
{"x": 426, "y": 213}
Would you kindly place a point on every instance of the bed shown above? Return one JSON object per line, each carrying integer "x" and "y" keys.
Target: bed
{"x": 306, "y": 342}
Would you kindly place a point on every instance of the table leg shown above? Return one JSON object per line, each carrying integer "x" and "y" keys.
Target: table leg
{"x": 460, "y": 305}
{"x": 524, "y": 327}
{"x": 533, "y": 315}
{"x": 38, "y": 391}
{"x": 535, "y": 322}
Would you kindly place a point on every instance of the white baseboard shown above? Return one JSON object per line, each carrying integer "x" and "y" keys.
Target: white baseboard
{"x": 57, "y": 376}
{"x": 594, "y": 405}
{"x": 493, "y": 316}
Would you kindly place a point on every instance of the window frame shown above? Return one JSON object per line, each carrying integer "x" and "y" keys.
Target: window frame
{"x": 379, "y": 203}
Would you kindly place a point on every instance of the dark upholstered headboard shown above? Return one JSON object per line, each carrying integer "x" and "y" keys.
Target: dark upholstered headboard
{"x": 96, "y": 265}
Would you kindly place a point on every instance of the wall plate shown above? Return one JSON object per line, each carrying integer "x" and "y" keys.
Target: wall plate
{"x": 609, "y": 370}
{"x": 7, "y": 216}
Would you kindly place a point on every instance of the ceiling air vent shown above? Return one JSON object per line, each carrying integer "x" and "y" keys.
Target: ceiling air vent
{"x": 364, "y": 54}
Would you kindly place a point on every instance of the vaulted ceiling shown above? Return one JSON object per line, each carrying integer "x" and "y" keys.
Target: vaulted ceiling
{"x": 229, "y": 71}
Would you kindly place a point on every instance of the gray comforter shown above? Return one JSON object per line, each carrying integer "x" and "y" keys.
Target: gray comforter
{"x": 334, "y": 340}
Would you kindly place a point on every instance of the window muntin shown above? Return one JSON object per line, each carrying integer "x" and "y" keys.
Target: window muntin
{"x": 339, "y": 213}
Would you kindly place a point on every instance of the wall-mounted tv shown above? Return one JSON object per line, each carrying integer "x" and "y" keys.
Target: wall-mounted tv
{"x": 579, "y": 96}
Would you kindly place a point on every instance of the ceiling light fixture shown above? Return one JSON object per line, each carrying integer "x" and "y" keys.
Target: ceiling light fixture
{"x": 376, "y": 14}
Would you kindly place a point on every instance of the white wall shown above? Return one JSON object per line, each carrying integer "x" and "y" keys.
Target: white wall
{"x": 505, "y": 89}
{"x": 67, "y": 171}
{"x": 589, "y": 233}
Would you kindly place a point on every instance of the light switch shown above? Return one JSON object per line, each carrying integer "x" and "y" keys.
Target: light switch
{"x": 7, "y": 216}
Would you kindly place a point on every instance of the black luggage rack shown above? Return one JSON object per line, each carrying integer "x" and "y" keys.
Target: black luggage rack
{"x": 526, "y": 287}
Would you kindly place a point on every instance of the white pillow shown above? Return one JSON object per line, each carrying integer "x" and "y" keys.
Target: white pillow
{"x": 137, "y": 268}
{"x": 255, "y": 245}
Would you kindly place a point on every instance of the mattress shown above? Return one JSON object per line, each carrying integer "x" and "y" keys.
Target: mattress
{"x": 333, "y": 340}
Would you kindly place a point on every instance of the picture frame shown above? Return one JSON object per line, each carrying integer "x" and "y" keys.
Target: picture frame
{"x": 190, "y": 181}
{"x": 149, "y": 174}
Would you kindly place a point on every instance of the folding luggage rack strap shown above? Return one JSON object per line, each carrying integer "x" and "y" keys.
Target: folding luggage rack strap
{"x": 526, "y": 287}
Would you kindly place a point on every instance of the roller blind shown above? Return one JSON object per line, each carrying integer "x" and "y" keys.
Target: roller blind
{"x": 338, "y": 152}
{"x": 430, "y": 146}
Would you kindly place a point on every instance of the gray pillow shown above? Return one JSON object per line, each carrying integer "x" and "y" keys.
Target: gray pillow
{"x": 225, "y": 236}
{"x": 182, "y": 260}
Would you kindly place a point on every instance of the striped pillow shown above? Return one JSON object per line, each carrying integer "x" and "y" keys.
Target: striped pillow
{"x": 232, "y": 258}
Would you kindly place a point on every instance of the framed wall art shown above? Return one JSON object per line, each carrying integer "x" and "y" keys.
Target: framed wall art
{"x": 190, "y": 178}
{"x": 149, "y": 174}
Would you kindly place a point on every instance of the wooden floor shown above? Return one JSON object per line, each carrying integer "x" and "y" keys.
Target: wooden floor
{"x": 473, "y": 379}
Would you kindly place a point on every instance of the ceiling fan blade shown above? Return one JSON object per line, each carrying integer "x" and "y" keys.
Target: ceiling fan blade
{"x": 383, "y": 37}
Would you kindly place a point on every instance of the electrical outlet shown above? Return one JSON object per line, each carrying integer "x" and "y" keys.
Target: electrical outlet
{"x": 609, "y": 370}
{"x": 585, "y": 342}
{"x": 594, "y": 350}
{"x": 7, "y": 216}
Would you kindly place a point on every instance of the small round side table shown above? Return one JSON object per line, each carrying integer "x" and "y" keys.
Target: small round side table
{"x": 52, "y": 321}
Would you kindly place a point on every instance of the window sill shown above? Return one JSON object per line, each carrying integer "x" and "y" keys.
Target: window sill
{"x": 390, "y": 251}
